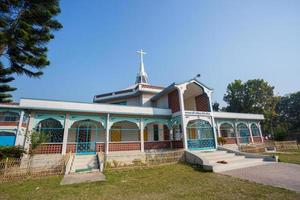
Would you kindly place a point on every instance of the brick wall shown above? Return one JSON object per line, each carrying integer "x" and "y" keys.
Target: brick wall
{"x": 9, "y": 123}
{"x": 100, "y": 147}
{"x": 128, "y": 146}
{"x": 158, "y": 145}
{"x": 48, "y": 149}
{"x": 177, "y": 144}
{"x": 230, "y": 140}
{"x": 257, "y": 139}
{"x": 71, "y": 148}
{"x": 202, "y": 103}
{"x": 173, "y": 101}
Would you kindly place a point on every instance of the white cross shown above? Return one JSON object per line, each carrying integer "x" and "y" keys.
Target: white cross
{"x": 142, "y": 53}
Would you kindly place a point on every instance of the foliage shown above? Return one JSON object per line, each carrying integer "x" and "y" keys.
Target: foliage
{"x": 280, "y": 132}
{"x": 221, "y": 140}
{"x": 11, "y": 152}
{"x": 216, "y": 106}
{"x": 253, "y": 96}
{"x": 37, "y": 138}
{"x": 288, "y": 110}
{"x": 4, "y": 87}
{"x": 26, "y": 27}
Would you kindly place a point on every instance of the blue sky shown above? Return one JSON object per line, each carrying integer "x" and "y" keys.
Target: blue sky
{"x": 225, "y": 40}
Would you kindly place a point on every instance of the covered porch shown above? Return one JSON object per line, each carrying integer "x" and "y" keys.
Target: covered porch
{"x": 88, "y": 134}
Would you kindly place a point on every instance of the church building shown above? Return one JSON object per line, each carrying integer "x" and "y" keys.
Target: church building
{"x": 140, "y": 118}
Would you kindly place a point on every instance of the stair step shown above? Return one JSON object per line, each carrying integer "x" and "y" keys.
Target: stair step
{"x": 223, "y": 156}
{"x": 248, "y": 162}
{"x": 227, "y": 159}
{"x": 85, "y": 163}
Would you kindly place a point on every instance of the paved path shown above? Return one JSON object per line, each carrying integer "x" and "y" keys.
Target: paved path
{"x": 282, "y": 175}
{"x": 82, "y": 178}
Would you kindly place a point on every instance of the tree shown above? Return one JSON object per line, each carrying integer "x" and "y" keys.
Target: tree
{"x": 26, "y": 27}
{"x": 234, "y": 96}
{"x": 253, "y": 96}
{"x": 216, "y": 106}
{"x": 4, "y": 88}
{"x": 288, "y": 110}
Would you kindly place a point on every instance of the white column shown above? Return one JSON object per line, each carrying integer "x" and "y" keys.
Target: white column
{"x": 236, "y": 133}
{"x": 28, "y": 131}
{"x": 107, "y": 134}
{"x": 213, "y": 124}
{"x": 66, "y": 133}
{"x": 260, "y": 132}
{"x": 183, "y": 121}
{"x": 250, "y": 131}
{"x": 171, "y": 137}
{"x": 142, "y": 134}
{"x": 20, "y": 136}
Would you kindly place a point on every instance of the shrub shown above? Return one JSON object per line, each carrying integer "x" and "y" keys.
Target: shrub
{"x": 280, "y": 133}
{"x": 11, "y": 152}
{"x": 37, "y": 138}
{"x": 221, "y": 141}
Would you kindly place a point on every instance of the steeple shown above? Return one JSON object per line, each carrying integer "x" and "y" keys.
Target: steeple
{"x": 141, "y": 76}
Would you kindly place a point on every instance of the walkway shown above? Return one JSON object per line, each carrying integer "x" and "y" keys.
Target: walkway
{"x": 282, "y": 175}
{"x": 82, "y": 178}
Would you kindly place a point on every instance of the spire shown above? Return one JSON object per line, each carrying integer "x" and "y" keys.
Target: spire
{"x": 142, "y": 76}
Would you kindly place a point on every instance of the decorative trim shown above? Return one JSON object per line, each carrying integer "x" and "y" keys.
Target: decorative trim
{"x": 38, "y": 117}
{"x": 98, "y": 118}
{"x": 113, "y": 120}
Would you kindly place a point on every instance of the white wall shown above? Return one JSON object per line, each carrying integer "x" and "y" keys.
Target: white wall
{"x": 190, "y": 103}
{"x": 145, "y": 100}
{"x": 162, "y": 102}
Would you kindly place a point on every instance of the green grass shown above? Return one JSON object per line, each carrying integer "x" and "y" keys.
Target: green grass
{"x": 176, "y": 181}
{"x": 288, "y": 157}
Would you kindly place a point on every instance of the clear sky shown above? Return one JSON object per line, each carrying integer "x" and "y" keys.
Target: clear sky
{"x": 223, "y": 40}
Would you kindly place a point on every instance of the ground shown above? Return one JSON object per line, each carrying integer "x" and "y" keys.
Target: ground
{"x": 288, "y": 156}
{"x": 177, "y": 181}
{"x": 285, "y": 175}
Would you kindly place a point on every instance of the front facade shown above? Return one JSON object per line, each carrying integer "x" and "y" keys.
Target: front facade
{"x": 139, "y": 118}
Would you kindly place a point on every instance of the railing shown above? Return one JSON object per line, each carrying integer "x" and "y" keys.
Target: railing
{"x": 85, "y": 147}
{"x": 201, "y": 144}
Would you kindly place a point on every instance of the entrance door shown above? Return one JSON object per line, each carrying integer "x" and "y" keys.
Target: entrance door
{"x": 84, "y": 145}
{"x": 200, "y": 135}
{"x": 244, "y": 134}
{"x": 116, "y": 134}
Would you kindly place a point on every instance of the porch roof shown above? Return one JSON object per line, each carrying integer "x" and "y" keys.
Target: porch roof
{"x": 51, "y": 105}
{"x": 231, "y": 115}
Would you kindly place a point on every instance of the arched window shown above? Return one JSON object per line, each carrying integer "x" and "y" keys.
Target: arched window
{"x": 52, "y": 128}
{"x": 243, "y": 130}
{"x": 86, "y": 131}
{"x": 227, "y": 130}
{"x": 199, "y": 129}
{"x": 9, "y": 116}
{"x": 124, "y": 131}
{"x": 255, "y": 130}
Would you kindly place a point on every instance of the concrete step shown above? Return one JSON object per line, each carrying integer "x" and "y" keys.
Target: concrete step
{"x": 227, "y": 159}
{"x": 222, "y": 156}
{"x": 209, "y": 153}
{"x": 85, "y": 163}
{"x": 247, "y": 162}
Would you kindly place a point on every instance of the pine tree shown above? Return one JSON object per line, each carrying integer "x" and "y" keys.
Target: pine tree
{"x": 26, "y": 27}
{"x": 5, "y": 77}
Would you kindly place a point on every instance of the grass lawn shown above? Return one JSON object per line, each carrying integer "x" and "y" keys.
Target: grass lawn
{"x": 176, "y": 181}
{"x": 288, "y": 157}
